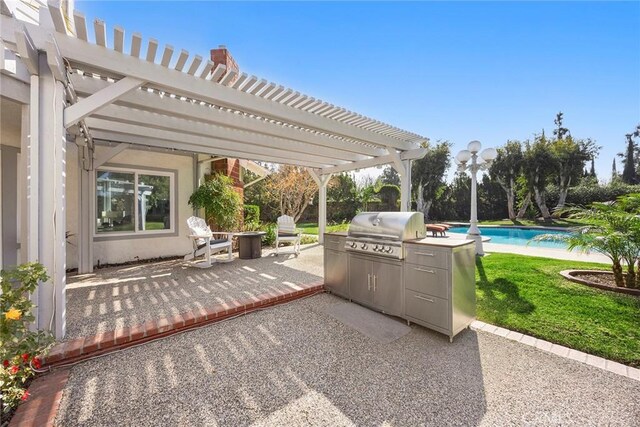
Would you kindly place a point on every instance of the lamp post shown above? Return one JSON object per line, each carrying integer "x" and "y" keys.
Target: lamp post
{"x": 476, "y": 164}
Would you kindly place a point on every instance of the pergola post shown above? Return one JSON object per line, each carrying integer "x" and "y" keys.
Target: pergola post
{"x": 85, "y": 207}
{"x": 321, "y": 181}
{"x": 405, "y": 187}
{"x": 52, "y": 209}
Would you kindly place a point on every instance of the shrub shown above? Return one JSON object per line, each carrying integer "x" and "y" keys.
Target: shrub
{"x": 219, "y": 200}
{"x": 20, "y": 348}
{"x": 252, "y": 214}
{"x": 269, "y": 239}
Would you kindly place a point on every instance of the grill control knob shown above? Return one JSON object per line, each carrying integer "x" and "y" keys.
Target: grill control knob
{"x": 364, "y": 246}
{"x": 389, "y": 250}
{"x": 375, "y": 248}
{"x": 353, "y": 244}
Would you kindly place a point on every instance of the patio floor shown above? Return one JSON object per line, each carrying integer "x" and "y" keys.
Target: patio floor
{"x": 295, "y": 365}
{"x": 118, "y": 297}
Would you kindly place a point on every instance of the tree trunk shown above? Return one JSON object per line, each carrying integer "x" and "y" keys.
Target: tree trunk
{"x": 638, "y": 276}
{"x": 525, "y": 205}
{"x": 631, "y": 275}
{"x": 425, "y": 209}
{"x": 618, "y": 274}
{"x": 420, "y": 198}
{"x": 511, "y": 197}
{"x": 542, "y": 204}
{"x": 563, "y": 189}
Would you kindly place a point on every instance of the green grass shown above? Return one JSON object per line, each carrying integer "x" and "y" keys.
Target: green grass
{"x": 561, "y": 222}
{"x": 526, "y": 294}
{"x": 312, "y": 227}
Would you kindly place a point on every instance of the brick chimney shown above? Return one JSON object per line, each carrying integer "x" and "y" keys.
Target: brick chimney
{"x": 222, "y": 56}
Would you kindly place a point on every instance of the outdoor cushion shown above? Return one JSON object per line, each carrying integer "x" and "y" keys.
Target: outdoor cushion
{"x": 213, "y": 242}
{"x": 287, "y": 234}
{"x": 446, "y": 226}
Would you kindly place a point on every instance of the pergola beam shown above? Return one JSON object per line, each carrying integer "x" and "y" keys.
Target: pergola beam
{"x": 210, "y": 143}
{"x": 84, "y": 108}
{"x": 170, "y": 106}
{"x": 189, "y": 127}
{"x": 170, "y": 144}
{"x": 381, "y": 160}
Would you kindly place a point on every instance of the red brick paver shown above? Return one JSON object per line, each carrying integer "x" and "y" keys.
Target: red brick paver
{"x": 84, "y": 348}
{"x": 42, "y": 406}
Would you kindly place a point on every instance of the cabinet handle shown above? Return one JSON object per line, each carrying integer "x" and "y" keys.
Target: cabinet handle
{"x": 425, "y": 253}
{"x": 424, "y": 269}
{"x": 374, "y": 283}
{"x": 424, "y": 298}
{"x": 368, "y": 281}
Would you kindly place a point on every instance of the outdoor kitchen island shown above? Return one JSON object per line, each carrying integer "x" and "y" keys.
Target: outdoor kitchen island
{"x": 429, "y": 281}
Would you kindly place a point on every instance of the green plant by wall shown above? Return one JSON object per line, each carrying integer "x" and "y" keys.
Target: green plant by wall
{"x": 269, "y": 239}
{"x": 20, "y": 348}
{"x": 220, "y": 202}
{"x": 252, "y": 214}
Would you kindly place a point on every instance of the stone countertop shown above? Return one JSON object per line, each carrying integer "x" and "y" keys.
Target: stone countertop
{"x": 447, "y": 242}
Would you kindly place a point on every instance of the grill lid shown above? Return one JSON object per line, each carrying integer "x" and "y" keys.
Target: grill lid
{"x": 388, "y": 225}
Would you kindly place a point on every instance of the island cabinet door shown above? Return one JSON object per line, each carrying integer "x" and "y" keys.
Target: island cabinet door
{"x": 387, "y": 287}
{"x": 360, "y": 280}
{"x": 335, "y": 273}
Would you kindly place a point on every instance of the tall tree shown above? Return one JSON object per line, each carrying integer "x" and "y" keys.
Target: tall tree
{"x": 539, "y": 167}
{"x": 629, "y": 173}
{"x": 570, "y": 158}
{"x": 390, "y": 176}
{"x": 614, "y": 171}
{"x": 592, "y": 171}
{"x": 294, "y": 189}
{"x": 560, "y": 131}
{"x": 571, "y": 155}
{"x": 505, "y": 169}
{"x": 427, "y": 175}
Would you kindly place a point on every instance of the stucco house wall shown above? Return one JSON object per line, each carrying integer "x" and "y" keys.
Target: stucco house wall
{"x": 110, "y": 249}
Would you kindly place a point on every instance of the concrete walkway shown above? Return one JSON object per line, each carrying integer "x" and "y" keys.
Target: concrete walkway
{"x": 295, "y": 365}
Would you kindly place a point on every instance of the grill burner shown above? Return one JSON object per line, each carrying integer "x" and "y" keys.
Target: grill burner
{"x": 382, "y": 233}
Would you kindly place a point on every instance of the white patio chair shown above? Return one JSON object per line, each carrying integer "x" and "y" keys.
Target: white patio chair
{"x": 287, "y": 232}
{"x": 204, "y": 244}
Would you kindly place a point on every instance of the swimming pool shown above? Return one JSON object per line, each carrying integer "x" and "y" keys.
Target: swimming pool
{"x": 515, "y": 236}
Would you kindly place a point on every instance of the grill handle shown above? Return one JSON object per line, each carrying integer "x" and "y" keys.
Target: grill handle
{"x": 424, "y": 298}
{"x": 368, "y": 281}
{"x": 424, "y": 270}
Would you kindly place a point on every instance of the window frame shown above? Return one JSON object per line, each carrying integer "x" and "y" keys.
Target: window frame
{"x": 136, "y": 171}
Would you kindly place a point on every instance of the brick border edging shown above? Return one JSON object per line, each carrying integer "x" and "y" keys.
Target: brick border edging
{"x": 42, "y": 406}
{"x": 83, "y": 348}
{"x": 569, "y": 275}
{"x": 560, "y": 350}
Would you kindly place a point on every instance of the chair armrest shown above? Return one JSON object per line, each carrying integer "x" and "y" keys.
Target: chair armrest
{"x": 200, "y": 236}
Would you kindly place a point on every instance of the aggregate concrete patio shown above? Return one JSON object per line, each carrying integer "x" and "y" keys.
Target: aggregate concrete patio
{"x": 296, "y": 365}
{"x": 117, "y": 297}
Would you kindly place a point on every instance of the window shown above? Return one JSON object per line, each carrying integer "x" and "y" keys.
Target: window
{"x": 131, "y": 202}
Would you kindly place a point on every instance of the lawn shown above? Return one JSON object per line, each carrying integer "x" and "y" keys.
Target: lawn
{"x": 526, "y": 294}
{"x": 312, "y": 227}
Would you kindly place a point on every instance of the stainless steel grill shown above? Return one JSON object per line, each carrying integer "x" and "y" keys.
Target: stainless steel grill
{"x": 382, "y": 233}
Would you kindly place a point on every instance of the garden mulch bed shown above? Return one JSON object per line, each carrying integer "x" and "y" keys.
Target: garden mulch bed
{"x": 597, "y": 279}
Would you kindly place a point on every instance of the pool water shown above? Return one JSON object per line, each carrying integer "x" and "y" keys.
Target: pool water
{"x": 515, "y": 236}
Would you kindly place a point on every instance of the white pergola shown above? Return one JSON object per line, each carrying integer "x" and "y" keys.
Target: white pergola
{"x": 163, "y": 99}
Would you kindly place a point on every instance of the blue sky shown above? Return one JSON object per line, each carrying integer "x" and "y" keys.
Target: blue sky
{"x": 456, "y": 70}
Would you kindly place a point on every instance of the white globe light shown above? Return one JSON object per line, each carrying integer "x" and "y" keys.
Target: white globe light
{"x": 463, "y": 156}
{"x": 489, "y": 154}
{"x": 456, "y": 161}
{"x": 474, "y": 146}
